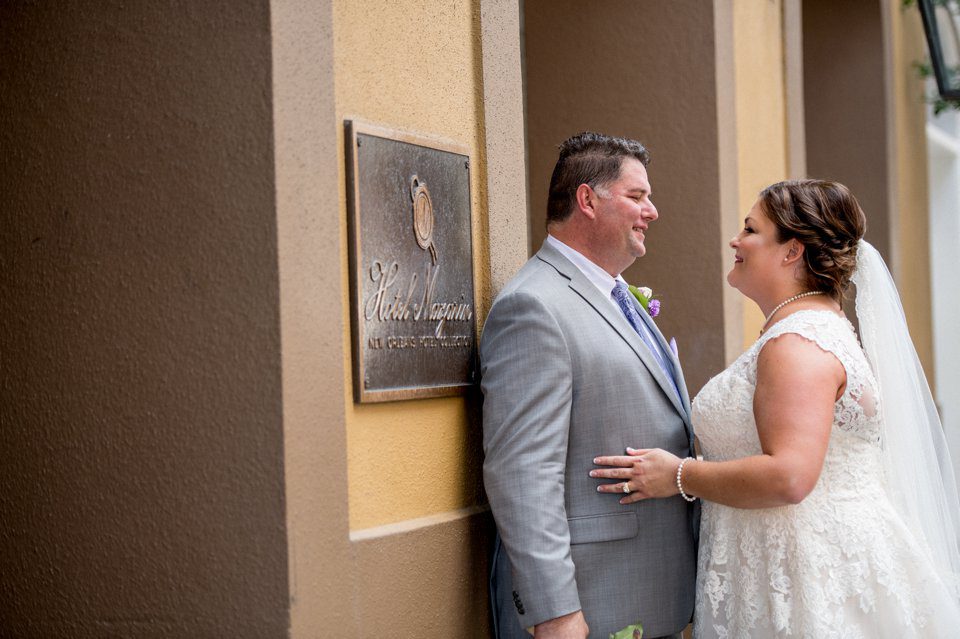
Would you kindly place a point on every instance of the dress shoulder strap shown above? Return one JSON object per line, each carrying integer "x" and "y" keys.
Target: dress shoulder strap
{"x": 826, "y": 329}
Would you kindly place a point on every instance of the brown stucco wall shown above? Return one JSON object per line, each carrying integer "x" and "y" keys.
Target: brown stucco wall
{"x": 845, "y": 105}
{"x": 646, "y": 71}
{"x": 140, "y": 409}
{"x": 865, "y": 121}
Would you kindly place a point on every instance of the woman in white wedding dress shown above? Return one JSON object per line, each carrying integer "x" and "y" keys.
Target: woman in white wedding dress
{"x": 829, "y": 503}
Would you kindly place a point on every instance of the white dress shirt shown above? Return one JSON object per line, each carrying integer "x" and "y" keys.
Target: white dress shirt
{"x": 597, "y": 276}
{"x": 604, "y": 283}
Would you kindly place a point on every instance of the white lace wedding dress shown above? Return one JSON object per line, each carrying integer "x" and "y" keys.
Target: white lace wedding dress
{"x": 839, "y": 564}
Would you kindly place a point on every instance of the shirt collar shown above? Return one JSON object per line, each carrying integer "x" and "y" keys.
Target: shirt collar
{"x": 597, "y": 276}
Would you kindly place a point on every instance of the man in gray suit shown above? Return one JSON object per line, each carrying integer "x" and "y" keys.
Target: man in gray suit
{"x": 572, "y": 368}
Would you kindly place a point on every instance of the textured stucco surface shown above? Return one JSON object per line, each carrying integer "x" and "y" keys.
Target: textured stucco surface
{"x": 623, "y": 68}
{"x": 414, "y": 66}
{"x": 507, "y": 221}
{"x": 846, "y": 106}
{"x": 911, "y": 216}
{"x": 865, "y": 127}
{"x": 411, "y": 576}
{"x": 429, "y": 582}
{"x": 140, "y": 404}
{"x": 761, "y": 118}
{"x": 308, "y": 248}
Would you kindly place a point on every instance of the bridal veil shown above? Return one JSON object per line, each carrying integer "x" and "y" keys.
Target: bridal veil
{"x": 919, "y": 472}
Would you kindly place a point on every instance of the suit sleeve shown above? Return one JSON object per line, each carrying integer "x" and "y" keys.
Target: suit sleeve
{"x": 527, "y": 387}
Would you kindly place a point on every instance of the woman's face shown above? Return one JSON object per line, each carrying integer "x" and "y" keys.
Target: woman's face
{"x": 757, "y": 254}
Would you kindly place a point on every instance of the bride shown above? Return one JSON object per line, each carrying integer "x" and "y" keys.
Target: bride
{"x": 829, "y": 503}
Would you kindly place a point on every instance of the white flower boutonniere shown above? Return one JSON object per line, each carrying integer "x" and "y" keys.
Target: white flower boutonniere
{"x": 644, "y": 295}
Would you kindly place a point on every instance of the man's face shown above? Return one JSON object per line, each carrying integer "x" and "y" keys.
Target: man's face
{"x": 623, "y": 213}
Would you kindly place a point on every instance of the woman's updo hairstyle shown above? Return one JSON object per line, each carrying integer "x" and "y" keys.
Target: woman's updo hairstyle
{"x": 827, "y": 219}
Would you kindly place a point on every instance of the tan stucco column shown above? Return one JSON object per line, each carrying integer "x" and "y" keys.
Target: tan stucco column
{"x": 387, "y": 531}
{"x": 322, "y": 577}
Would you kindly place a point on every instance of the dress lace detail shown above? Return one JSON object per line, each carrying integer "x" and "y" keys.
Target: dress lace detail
{"x": 839, "y": 564}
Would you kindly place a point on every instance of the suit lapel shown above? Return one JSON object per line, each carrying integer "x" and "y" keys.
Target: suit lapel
{"x": 677, "y": 369}
{"x": 674, "y": 361}
{"x": 583, "y": 287}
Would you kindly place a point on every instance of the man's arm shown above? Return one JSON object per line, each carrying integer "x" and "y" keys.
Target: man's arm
{"x": 527, "y": 385}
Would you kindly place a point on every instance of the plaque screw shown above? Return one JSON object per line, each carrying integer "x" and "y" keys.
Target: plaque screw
{"x": 358, "y": 142}
{"x": 466, "y": 164}
{"x": 366, "y": 382}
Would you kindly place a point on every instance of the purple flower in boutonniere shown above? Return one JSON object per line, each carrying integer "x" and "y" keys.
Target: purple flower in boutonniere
{"x": 645, "y": 296}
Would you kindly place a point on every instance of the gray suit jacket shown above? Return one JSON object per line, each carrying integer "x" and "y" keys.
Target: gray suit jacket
{"x": 566, "y": 378}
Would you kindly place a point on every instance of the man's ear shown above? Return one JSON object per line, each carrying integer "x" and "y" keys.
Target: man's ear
{"x": 587, "y": 201}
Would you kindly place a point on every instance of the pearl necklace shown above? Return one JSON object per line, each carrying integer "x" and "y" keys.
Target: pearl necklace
{"x": 784, "y": 303}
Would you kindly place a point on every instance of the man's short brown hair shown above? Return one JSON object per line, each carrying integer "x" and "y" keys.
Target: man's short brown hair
{"x": 588, "y": 158}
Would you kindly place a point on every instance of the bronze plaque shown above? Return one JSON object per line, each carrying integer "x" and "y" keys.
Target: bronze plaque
{"x": 411, "y": 265}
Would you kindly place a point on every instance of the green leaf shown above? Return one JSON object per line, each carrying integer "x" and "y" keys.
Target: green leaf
{"x": 630, "y": 632}
{"x": 644, "y": 302}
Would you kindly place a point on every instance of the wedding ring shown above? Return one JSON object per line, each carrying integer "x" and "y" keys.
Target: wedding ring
{"x": 626, "y": 487}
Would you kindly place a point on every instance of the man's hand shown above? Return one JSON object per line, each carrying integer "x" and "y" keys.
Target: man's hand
{"x": 572, "y": 626}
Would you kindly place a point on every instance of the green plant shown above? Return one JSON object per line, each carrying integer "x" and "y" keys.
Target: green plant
{"x": 925, "y": 70}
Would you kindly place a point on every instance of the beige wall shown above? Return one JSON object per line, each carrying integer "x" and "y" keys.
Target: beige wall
{"x": 179, "y": 229}
{"x": 387, "y": 532}
{"x": 627, "y": 71}
{"x": 761, "y": 117}
{"x": 908, "y": 158}
{"x": 142, "y": 467}
{"x": 307, "y": 169}
{"x": 184, "y": 457}
{"x": 414, "y": 66}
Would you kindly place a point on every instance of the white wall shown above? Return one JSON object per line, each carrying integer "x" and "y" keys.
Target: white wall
{"x": 943, "y": 149}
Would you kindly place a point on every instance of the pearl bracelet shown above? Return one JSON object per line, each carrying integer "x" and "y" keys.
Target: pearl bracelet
{"x": 680, "y": 485}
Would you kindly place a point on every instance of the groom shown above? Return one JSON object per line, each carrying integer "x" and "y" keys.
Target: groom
{"x": 572, "y": 367}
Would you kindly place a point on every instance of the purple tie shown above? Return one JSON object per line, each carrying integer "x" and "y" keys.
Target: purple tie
{"x": 624, "y": 299}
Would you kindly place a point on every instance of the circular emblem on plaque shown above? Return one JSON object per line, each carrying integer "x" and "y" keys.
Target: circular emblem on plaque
{"x": 423, "y": 220}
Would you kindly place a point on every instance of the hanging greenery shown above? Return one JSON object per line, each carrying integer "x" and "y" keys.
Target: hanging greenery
{"x": 924, "y": 69}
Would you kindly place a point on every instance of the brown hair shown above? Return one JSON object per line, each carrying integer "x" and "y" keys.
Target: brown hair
{"x": 587, "y": 158}
{"x": 827, "y": 220}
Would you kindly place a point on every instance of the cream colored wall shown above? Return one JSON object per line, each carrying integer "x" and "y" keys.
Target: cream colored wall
{"x": 414, "y": 66}
{"x": 761, "y": 118}
{"x": 910, "y": 216}
{"x": 375, "y": 492}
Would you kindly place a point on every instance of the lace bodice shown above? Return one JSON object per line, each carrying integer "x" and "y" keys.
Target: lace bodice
{"x": 723, "y": 411}
{"x": 837, "y": 564}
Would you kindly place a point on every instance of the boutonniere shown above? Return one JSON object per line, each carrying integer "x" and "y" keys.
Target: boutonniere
{"x": 630, "y": 632}
{"x": 645, "y": 296}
